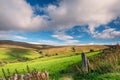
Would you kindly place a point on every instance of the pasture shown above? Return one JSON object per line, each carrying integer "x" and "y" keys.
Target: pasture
{"x": 17, "y": 54}
{"x": 61, "y": 61}
{"x": 55, "y": 65}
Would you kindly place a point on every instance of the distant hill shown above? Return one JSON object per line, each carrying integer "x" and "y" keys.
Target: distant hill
{"x": 15, "y": 44}
{"x": 77, "y": 49}
{"x": 12, "y": 51}
{"x": 49, "y": 49}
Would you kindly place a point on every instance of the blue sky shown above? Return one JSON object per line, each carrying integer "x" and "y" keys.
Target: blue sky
{"x": 60, "y": 22}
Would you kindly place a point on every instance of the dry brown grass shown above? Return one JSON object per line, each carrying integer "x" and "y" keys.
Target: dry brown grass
{"x": 108, "y": 61}
{"x": 78, "y": 49}
{"x": 50, "y": 50}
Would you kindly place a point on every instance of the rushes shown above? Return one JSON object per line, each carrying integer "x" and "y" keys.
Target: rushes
{"x": 31, "y": 75}
{"x": 107, "y": 61}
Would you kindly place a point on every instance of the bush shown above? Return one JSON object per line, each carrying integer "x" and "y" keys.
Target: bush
{"x": 72, "y": 49}
{"x": 40, "y": 52}
{"x": 76, "y": 53}
{"x": 91, "y": 50}
{"x": 56, "y": 54}
{"x": 47, "y": 55}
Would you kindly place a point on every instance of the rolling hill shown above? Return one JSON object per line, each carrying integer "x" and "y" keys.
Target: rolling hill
{"x": 13, "y": 51}
{"x": 13, "y": 44}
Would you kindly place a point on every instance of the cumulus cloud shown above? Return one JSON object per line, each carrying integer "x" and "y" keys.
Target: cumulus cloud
{"x": 83, "y": 12}
{"x": 19, "y": 15}
{"x": 110, "y": 33}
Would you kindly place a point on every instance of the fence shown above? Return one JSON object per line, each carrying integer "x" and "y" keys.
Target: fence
{"x": 30, "y": 75}
{"x": 85, "y": 64}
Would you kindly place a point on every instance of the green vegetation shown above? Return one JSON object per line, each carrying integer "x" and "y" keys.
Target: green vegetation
{"x": 105, "y": 66}
{"x": 62, "y": 62}
{"x": 17, "y": 54}
{"x": 55, "y": 65}
{"x": 96, "y": 76}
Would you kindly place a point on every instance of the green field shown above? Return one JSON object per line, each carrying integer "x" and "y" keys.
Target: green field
{"x": 54, "y": 65}
{"x": 17, "y": 54}
{"x": 62, "y": 62}
{"x": 96, "y": 76}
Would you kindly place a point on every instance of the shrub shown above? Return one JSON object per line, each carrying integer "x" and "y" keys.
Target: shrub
{"x": 47, "y": 55}
{"x": 72, "y": 49}
{"x": 91, "y": 50}
{"x": 56, "y": 54}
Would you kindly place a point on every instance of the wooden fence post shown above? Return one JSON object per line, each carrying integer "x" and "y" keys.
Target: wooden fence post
{"x": 85, "y": 63}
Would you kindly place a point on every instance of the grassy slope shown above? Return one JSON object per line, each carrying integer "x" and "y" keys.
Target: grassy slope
{"x": 15, "y": 54}
{"x": 52, "y": 64}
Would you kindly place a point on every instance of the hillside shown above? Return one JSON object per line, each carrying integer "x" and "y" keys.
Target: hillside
{"x": 104, "y": 66}
{"x": 69, "y": 49}
{"x": 12, "y": 51}
{"x": 14, "y": 44}
{"x": 62, "y": 59}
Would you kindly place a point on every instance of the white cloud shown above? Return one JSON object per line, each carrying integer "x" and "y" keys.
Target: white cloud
{"x": 50, "y": 42}
{"x": 100, "y": 43}
{"x": 46, "y": 42}
{"x": 19, "y": 15}
{"x": 8, "y": 35}
{"x": 72, "y": 41}
{"x": 19, "y": 37}
{"x": 117, "y": 22}
{"x": 83, "y": 12}
{"x": 109, "y": 33}
{"x": 68, "y": 40}
{"x": 62, "y": 36}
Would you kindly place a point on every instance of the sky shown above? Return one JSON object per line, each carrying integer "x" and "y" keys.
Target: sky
{"x": 60, "y": 22}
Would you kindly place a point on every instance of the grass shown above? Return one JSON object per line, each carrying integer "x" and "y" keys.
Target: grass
{"x": 12, "y": 53}
{"x": 16, "y": 54}
{"x": 105, "y": 66}
{"x": 96, "y": 76}
{"x": 54, "y": 65}
{"x": 110, "y": 76}
{"x": 68, "y": 49}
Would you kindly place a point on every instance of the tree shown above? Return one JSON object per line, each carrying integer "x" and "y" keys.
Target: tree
{"x": 73, "y": 49}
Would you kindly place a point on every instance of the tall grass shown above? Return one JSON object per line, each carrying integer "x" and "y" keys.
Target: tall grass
{"x": 103, "y": 66}
{"x": 106, "y": 62}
